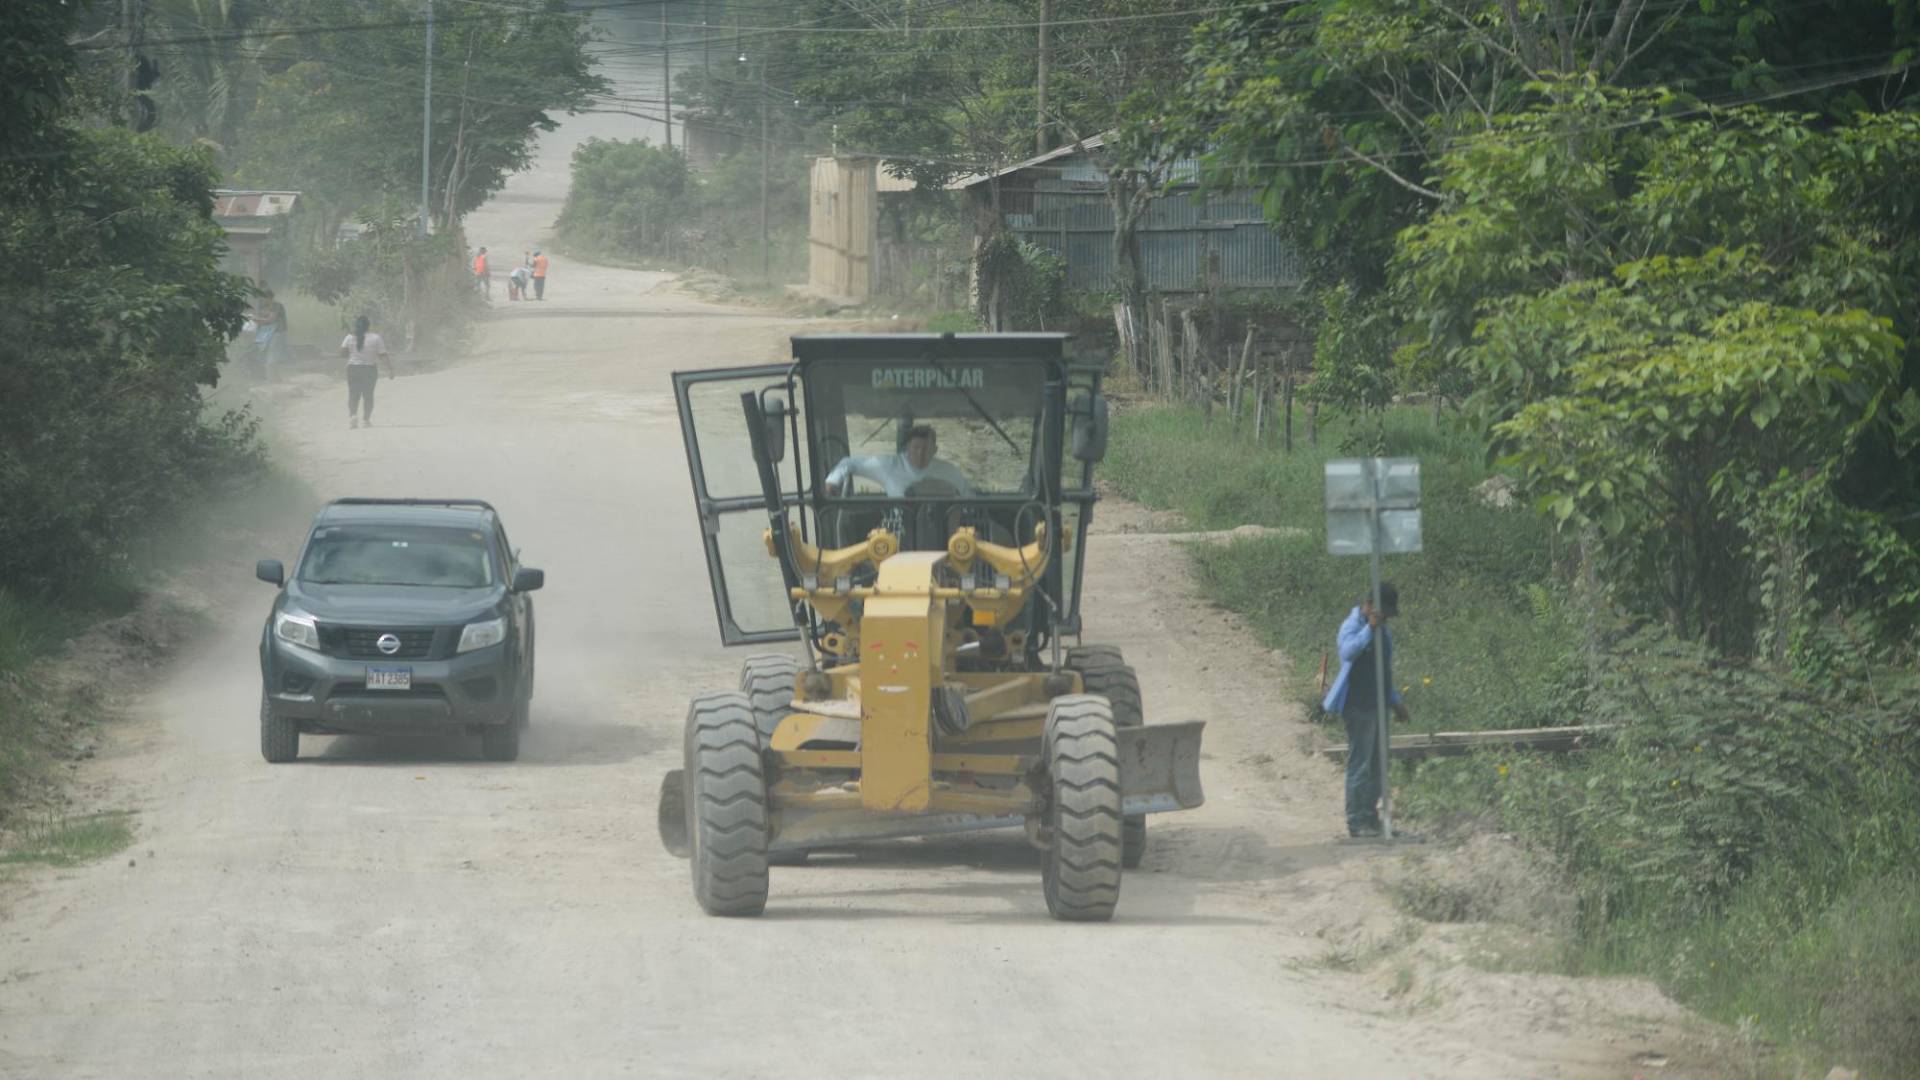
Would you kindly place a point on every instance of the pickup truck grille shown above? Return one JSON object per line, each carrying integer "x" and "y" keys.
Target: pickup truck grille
{"x": 362, "y": 644}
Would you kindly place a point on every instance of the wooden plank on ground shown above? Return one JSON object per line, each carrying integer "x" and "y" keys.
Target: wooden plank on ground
{"x": 1443, "y": 743}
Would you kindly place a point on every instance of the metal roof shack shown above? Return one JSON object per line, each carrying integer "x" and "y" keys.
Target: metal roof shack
{"x": 1189, "y": 241}
{"x": 250, "y": 218}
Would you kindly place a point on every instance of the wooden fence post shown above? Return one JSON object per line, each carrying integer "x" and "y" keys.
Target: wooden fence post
{"x": 1287, "y": 395}
{"x": 1259, "y": 406}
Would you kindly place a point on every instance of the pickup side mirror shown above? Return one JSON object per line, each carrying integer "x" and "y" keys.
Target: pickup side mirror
{"x": 270, "y": 571}
{"x": 1090, "y": 427}
{"x": 527, "y": 579}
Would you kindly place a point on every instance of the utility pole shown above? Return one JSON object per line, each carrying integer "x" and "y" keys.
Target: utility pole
{"x": 1040, "y": 102}
{"x": 137, "y": 72}
{"x": 426, "y": 129}
{"x": 766, "y": 252}
{"x": 666, "y": 69}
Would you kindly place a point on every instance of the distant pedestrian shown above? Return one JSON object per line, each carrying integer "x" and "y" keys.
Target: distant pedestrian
{"x": 519, "y": 283}
{"x": 482, "y": 276}
{"x": 1355, "y": 696}
{"x": 269, "y": 333}
{"x": 363, "y": 350}
{"x": 539, "y": 275}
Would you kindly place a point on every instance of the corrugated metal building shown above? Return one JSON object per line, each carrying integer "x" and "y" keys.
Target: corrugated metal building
{"x": 1188, "y": 242}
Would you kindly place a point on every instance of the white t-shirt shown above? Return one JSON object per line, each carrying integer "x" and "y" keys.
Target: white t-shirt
{"x": 896, "y": 474}
{"x": 374, "y": 349}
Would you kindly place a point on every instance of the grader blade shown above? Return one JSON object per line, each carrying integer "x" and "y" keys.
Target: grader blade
{"x": 1160, "y": 767}
{"x": 673, "y": 813}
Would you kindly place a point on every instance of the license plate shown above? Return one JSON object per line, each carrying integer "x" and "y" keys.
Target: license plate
{"x": 389, "y": 678}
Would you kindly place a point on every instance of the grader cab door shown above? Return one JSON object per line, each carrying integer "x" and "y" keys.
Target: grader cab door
{"x": 749, "y": 592}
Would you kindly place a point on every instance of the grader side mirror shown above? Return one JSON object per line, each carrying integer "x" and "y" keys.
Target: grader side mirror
{"x": 773, "y": 414}
{"x": 1090, "y": 426}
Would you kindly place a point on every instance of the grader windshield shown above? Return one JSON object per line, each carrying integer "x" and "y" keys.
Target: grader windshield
{"x": 968, "y": 429}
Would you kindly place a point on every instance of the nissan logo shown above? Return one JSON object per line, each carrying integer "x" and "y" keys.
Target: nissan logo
{"x": 389, "y": 643}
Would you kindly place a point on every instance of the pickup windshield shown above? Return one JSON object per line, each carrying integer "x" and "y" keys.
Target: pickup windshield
{"x": 397, "y": 555}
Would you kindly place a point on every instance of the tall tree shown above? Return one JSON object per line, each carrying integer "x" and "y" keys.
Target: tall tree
{"x": 340, "y": 115}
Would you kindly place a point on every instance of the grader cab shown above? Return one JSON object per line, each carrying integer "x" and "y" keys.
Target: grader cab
{"x": 912, "y": 510}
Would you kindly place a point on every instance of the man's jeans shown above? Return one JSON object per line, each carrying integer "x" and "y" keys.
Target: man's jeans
{"x": 1363, "y": 768}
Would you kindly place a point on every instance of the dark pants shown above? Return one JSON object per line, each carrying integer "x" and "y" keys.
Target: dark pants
{"x": 539, "y": 288}
{"x": 361, "y": 379}
{"x": 1363, "y": 767}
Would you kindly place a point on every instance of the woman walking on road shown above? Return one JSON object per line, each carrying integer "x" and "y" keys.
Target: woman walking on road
{"x": 363, "y": 349}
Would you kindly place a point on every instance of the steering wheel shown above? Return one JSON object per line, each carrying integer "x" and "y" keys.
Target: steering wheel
{"x": 928, "y": 535}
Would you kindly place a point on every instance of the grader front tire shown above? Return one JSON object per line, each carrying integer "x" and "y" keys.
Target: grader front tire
{"x": 726, "y": 805}
{"x": 1105, "y": 672}
{"x": 1081, "y": 868}
{"x": 768, "y": 680}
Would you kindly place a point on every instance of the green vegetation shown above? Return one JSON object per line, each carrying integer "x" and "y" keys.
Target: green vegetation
{"x": 1748, "y": 838}
{"x": 119, "y": 322}
{"x": 1486, "y": 634}
{"x": 631, "y": 199}
{"x": 1675, "y": 287}
{"x": 71, "y": 841}
{"x": 31, "y": 629}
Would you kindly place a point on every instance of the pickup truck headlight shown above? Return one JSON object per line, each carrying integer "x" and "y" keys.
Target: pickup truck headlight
{"x": 479, "y": 635}
{"x": 296, "y": 628}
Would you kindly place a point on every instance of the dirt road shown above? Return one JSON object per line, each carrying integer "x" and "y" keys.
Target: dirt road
{"x": 407, "y": 910}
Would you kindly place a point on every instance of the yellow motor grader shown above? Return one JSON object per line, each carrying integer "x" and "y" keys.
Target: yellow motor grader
{"x": 912, "y": 510}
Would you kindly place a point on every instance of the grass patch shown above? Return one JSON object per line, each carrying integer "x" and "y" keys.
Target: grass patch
{"x": 1479, "y": 639}
{"x": 71, "y": 841}
{"x": 954, "y": 322}
{"x": 31, "y": 629}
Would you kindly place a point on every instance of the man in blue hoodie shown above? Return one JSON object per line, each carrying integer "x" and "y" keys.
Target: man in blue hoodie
{"x": 1355, "y": 696}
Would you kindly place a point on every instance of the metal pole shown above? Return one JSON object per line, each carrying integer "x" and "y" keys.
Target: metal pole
{"x": 766, "y": 253}
{"x": 1040, "y": 87}
{"x": 666, "y": 69}
{"x": 1380, "y": 657}
{"x": 426, "y": 128}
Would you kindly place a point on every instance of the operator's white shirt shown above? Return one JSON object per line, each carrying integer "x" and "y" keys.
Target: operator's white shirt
{"x": 896, "y": 474}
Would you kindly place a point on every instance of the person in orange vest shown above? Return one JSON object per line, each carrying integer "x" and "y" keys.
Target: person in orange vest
{"x": 539, "y": 275}
{"x": 482, "y": 276}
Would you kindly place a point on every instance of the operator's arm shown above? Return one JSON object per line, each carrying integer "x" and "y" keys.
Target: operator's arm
{"x": 871, "y": 468}
{"x": 1355, "y": 636}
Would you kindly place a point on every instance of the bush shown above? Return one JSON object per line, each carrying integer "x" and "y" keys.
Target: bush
{"x": 120, "y": 317}
{"x": 631, "y": 199}
{"x": 1025, "y": 284}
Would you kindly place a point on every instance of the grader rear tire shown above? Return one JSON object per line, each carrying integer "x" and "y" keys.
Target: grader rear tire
{"x": 1105, "y": 672}
{"x": 726, "y": 805}
{"x": 1081, "y": 869}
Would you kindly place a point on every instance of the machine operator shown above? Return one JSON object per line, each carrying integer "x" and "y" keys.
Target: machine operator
{"x": 915, "y": 466}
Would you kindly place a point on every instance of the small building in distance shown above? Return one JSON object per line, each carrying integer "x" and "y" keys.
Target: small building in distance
{"x": 1188, "y": 242}
{"x": 858, "y": 244}
{"x": 251, "y": 219}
